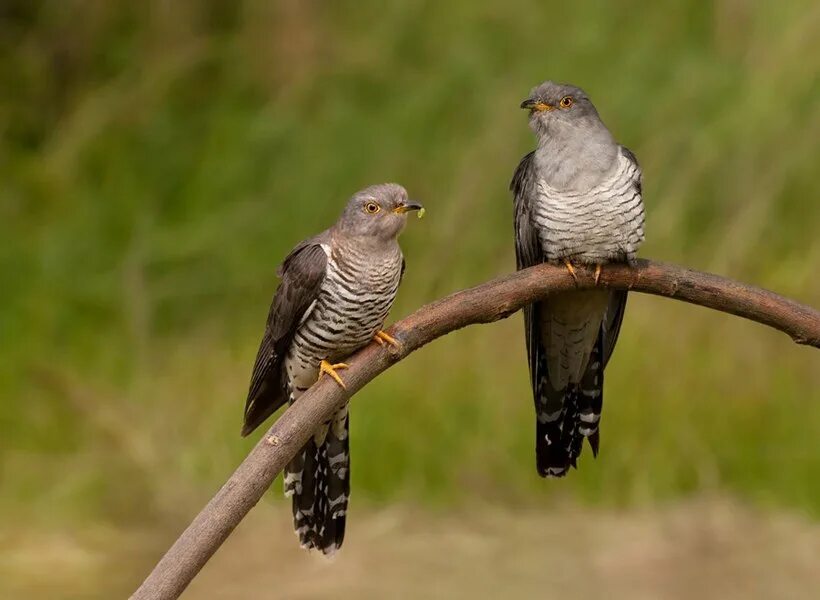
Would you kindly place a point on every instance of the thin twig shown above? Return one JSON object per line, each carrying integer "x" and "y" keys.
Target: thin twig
{"x": 491, "y": 301}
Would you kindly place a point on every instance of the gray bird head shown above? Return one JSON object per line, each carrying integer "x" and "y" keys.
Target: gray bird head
{"x": 377, "y": 212}
{"x": 561, "y": 109}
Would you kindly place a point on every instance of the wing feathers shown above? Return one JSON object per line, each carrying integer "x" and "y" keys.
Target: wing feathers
{"x": 302, "y": 272}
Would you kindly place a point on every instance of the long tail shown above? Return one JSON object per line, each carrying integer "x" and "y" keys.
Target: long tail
{"x": 565, "y": 417}
{"x": 318, "y": 480}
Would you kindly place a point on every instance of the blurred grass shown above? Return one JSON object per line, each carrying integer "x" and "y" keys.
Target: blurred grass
{"x": 708, "y": 548}
{"x": 157, "y": 161}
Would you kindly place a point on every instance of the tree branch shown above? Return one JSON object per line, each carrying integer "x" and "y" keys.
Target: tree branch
{"x": 491, "y": 301}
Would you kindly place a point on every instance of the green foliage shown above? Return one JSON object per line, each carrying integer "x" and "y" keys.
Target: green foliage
{"x": 158, "y": 159}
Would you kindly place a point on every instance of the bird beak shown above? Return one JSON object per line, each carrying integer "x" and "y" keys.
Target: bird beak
{"x": 403, "y": 208}
{"x": 536, "y": 105}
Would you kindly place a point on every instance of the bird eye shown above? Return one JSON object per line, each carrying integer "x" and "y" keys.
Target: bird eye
{"x": 566, "y": 102}
{"x": 371, "y": 208}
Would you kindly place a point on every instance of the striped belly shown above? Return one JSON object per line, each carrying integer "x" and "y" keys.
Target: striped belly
{"x": 349, "y": 311}
{"x": 600, "y": 225}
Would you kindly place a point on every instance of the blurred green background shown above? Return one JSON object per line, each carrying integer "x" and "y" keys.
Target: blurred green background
{"x": 158, "y": 159}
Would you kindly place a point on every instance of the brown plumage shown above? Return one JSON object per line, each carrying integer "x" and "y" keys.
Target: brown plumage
{"x": 336, "y": 291}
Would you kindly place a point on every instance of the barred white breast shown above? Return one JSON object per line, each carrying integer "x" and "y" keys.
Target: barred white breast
{"x": 593, "y": 226}
{"x": 353, "y": 303}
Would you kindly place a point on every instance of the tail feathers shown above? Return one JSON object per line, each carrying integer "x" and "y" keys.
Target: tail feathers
{"x": 558, "y": 441}
{"x": 318, "y": 480}
{"x": 551, "y": 458}
{"x": 566, "y": 417}
{"x": 590, "y": 394}
{"x": 300, "y": 484}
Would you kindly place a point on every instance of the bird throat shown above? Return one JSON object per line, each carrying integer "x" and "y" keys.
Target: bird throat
{"x": 575, "y": 159}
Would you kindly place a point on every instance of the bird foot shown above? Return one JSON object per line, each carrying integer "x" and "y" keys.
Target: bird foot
{"x": 329, "y": 369}
{"x": 571, "y": 270}
{"x": 597, "y": 273}
{"x": 382, "y": 339}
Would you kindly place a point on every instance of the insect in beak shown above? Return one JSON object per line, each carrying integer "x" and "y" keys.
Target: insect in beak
{"x": 403, "y": 208}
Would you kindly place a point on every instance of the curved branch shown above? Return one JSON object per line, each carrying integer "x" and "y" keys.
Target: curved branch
{"x": 491, "y": 301}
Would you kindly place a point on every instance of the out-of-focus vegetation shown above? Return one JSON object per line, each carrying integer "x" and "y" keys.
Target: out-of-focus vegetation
{"x": 159, "y": 158}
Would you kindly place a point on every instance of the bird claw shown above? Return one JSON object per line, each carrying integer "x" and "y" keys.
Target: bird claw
{"x": 329, "y": 369}
{"x": 382, "y": 338}
{"x": 571, "y": 270}
{"x": 597, "y": 273}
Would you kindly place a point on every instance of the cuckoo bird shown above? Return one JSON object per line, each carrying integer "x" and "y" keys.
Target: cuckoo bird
{"x": 335, "y": 292}
{"x": 577, "y": 201}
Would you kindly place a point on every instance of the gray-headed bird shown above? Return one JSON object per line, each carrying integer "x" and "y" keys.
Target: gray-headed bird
{"x": 577, "y": 200}
{"x": 335, "y": 293}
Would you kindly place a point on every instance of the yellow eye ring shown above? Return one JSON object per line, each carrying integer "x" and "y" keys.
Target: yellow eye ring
{"x": 566, "y": 102}
{"x": 371, "y": 208}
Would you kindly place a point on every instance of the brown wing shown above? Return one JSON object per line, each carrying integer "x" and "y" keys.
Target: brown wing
{"x": 302, "y": 274}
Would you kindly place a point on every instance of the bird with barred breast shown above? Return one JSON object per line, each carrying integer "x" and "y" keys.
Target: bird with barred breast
{"x": 336, "y": 290}
{"x": 577, "y": 202}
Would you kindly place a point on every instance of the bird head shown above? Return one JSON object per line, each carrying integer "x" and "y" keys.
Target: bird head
{"x": 378, "y": 212}
{"x": 557, "y": 106}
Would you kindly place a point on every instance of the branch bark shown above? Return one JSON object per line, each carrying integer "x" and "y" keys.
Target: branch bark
{"x": 491, "y": 301}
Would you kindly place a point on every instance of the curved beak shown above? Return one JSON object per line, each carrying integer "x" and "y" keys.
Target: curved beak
{"x": 536, "y": 105}
{"x": 408, "y": 207}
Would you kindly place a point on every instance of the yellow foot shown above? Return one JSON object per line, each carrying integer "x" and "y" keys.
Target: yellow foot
{"x": 571, "y": 270}
{"x": 597, "y": 273}
{"x": 326, "y": 367}
{"x": 383, "y": 338}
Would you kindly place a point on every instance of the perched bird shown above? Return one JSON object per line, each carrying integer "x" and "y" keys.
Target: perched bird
{"x": 335, "y": 293}
{"x": 577, "y": 200}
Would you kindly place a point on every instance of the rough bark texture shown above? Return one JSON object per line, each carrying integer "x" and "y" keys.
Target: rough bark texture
{"x": 491, "y": 301}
